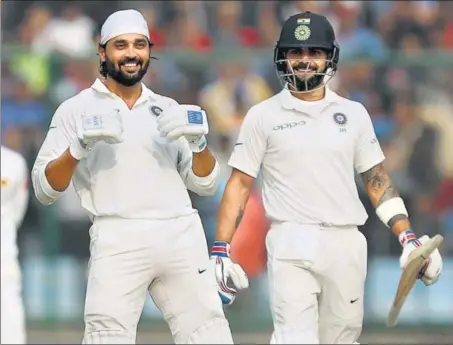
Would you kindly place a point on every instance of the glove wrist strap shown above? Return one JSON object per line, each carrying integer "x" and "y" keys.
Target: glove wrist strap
{"x": 198, "y": 145}
{"x": 221, "y": 248}
{"x": 407, "y": 237}
{"x": 78, "y": 150}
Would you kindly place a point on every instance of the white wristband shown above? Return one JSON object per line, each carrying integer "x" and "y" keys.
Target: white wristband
{"x": 390, "y": 208}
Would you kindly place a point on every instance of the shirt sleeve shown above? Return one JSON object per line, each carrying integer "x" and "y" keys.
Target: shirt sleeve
{"x": 368, "y": 152}
{"x": 248, "y": 152}
{"x": 20, "y": 202}
{"x": 204, "y": 186}
{"x": 62, "y": 131}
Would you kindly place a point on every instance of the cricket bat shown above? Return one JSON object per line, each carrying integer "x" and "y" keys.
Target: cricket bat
{"x": 415, "y": 263}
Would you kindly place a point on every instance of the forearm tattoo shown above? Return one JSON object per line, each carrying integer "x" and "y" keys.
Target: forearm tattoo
{"x": 378, "y": 180}
{"x": 239, "y": 217}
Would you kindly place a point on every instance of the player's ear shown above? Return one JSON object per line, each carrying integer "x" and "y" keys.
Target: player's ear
{"x": 101, "y": 52}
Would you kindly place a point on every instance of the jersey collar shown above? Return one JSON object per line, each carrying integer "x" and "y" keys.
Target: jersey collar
{"x": 147, "y": 94}
{"x": 289, "y": 102}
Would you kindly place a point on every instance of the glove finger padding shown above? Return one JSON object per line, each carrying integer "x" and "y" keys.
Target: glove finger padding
{"x": 186, "y": 131}
{"x": 106, "y": 127}
{"x": 176, "y": 114}
{"x": 433, "y": 268}
{"x": 182, "y": 120}
{"x": 227, "y": 294}
{"x": 238, "y": 277}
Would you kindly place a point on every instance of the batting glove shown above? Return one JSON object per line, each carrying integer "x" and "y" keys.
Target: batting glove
{"x": 189, "y": 121}
{"x": 432, "y": 269}
{"x": 225, "y": 269}
{"x": 97, "y": 127}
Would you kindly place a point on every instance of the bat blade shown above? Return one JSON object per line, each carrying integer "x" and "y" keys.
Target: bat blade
{"x": 409, "y": 276}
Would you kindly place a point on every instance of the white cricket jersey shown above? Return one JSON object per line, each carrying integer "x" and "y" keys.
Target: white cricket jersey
{"x": 14, "y": 200}
{"x": 144, "y": 177}
{"x": 307, "y": 153}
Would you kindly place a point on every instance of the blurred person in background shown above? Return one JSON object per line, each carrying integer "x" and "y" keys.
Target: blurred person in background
{"x": 28, "y": 63}
{"x": 356, "y": 39}
{"x": 156, "y": 34}
{"x": 76, "y": 75}
{"x": 14, "y": 178}
{"x": 23, "y": 116}
{"x": 443, "y": 27}
{"x": 188, "y": 34}
{"x": 228, "y": 29}
{"x": 227, "y": 98}
{"x": 70, "y": 33}
{"x": 401, "y": 21}
{"x": 307, "y": 142}
{"x": 120, "y": 144}
{"x": 412, "y": 159}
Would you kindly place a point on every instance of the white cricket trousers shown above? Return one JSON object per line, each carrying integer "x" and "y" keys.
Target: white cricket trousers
{"x": 316, "y": 283}
{"x": 12, "y": 308}
{"x": 166, "y": 258}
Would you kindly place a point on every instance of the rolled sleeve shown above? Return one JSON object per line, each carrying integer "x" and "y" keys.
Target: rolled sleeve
{"x": 59, "y": 136}
{"x": 203, "y": 186}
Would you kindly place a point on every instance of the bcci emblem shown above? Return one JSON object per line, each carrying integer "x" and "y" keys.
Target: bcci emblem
{"x": 302, "y": 33}
{"x": 155, "y": 110}
{"x": 340, "y": 118}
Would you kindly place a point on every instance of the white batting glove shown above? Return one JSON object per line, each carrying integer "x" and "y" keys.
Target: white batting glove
{"x": 226, "y": 269}
{"x": 189, "y": 121}
{"x": 431, "y": 271}
{"x": 97, "y": 127}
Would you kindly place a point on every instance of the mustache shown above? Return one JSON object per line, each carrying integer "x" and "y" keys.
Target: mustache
{"x": 305, "y": 66}
{"x": 131, "y": 60}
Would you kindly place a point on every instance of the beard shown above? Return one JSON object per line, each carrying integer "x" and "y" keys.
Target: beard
{"x": 123, "y": 77}
{"x": 310, "y": 81}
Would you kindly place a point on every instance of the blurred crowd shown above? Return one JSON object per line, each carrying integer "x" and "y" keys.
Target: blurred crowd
{"x": 396, "y": 58}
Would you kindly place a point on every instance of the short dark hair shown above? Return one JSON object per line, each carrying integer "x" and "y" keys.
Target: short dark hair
{"x": 102, "y": 64}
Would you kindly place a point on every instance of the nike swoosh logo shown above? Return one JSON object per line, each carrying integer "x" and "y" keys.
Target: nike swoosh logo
{"x": 201, "y": 271}
{"x": 52, "y": 127}
{"x": 354, "y": 300}
{"x": 237, "y": 144}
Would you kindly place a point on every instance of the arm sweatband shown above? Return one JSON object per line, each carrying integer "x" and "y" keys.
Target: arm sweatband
{"x": 390, "y": 208}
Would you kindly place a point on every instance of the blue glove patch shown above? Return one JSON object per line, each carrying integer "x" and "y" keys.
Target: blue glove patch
{"x": 195, "y": 117}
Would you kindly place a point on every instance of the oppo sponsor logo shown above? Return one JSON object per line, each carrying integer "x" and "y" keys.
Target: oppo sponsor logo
{"x": 288, "y": 125}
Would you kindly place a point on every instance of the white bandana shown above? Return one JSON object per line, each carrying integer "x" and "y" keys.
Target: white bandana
{"x": 124, "y": 22}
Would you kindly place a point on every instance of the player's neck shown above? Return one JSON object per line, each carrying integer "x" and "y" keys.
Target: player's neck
{"x": 311, "y": 96}
{"x": 129, "y": 94}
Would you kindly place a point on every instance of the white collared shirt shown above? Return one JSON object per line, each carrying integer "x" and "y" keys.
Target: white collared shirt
{"x": 307, "y": 153}
{"x": 14, "y": 200}
{"x": 144, "y": 177}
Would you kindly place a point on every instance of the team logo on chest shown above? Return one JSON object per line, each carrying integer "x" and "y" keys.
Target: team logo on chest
{"x": 340, "y": 118}
{"x": 155, "y": 110}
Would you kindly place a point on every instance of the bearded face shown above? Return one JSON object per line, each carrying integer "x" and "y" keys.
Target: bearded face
{"x": 126, "y": 58}
{"x": 306, "y": 63}
{"x": 305, "y": 68}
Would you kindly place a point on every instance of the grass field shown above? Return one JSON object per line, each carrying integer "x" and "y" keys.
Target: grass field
{"x": 73, "y": 335}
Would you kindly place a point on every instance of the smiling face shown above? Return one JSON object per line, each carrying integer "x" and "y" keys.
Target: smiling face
{"x": 305, "y": 63}
{"x": 126, "y": 58}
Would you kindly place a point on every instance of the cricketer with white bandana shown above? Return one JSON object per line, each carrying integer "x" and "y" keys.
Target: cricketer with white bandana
{"x": 131, "y": 155}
